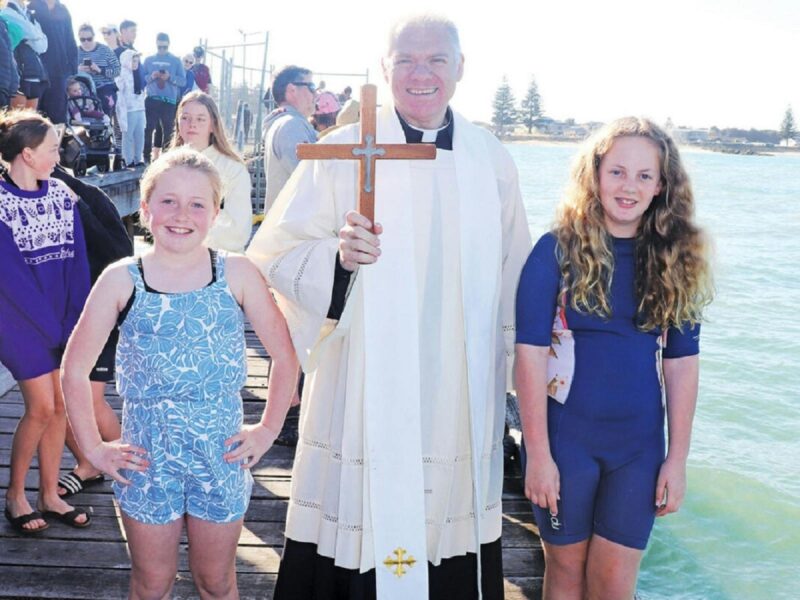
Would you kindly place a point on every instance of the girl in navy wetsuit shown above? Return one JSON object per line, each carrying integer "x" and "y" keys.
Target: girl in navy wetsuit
{"x": 625, "y": 262}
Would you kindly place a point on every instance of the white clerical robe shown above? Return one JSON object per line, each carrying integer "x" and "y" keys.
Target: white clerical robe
{"x": 402, "y": 421}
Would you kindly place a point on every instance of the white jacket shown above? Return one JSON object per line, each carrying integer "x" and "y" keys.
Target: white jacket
{"x": 231, "y": 231}
{"x": 127, "y": 101}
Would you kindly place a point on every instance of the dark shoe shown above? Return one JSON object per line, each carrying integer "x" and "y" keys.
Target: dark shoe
{"x": 72, "y": 484}
{"x": 70, "y": 518}
{"x": 18, "y": 522}
{"x": 289, "y": 434}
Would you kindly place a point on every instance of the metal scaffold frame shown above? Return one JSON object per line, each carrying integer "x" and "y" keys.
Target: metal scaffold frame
{"x": 223, "y": 61}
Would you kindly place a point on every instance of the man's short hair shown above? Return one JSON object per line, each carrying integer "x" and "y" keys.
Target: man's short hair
{"x": 198, "y": 52}
{"x": 284, "y": 77}
{"x": 424, "y": 20}
{"x": 126, "y": 24}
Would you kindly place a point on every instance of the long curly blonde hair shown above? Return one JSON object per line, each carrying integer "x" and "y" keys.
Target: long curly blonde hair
{"x": 673, "y": 279}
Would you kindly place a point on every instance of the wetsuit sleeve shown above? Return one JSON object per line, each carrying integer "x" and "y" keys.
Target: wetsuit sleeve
{"x": 683, "y": 343}
{"x": 537, "y": 294}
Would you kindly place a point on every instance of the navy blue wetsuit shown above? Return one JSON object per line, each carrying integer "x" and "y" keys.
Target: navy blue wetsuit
{"x": 608, "y": 438}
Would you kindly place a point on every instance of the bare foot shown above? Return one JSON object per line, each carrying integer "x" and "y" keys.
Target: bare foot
{"x": 20, "y": 507}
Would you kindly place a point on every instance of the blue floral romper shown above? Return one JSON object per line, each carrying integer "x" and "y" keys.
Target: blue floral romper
{"x": 180, "y": 368}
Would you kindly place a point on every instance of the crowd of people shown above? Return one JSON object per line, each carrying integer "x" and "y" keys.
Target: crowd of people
{"x": 403, "y": 328}
{"x": 44, "y": 68}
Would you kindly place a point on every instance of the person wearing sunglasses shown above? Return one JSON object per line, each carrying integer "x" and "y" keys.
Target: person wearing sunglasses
{"x": 165, "y": 77}
{"x": 287, "y": 126}
{"x": 100, "y": 62}
{"x": 111, "y": 37}
{"x": 188, "y": 63}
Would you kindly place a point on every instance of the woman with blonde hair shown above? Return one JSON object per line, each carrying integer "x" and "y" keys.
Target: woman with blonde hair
{"x": 199, "y": 125}
{"x": 608, "y": 313}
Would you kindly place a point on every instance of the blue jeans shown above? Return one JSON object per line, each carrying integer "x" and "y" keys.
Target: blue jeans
{"x": 133, "y": 138}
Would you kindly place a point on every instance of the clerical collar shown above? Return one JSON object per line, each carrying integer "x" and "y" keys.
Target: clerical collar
{"x": 444, "y": 135}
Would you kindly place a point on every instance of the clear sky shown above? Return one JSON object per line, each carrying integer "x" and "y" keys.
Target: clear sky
{"x": 729, "y": 63}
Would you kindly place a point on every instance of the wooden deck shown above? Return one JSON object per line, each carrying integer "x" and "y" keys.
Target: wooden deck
{"x": 64, "y": 562}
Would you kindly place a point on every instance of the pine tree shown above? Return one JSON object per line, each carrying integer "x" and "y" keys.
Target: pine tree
{"x": 531, "y": 107}
{"x": 788, "y": 127}
{"x": 504, "y": 112}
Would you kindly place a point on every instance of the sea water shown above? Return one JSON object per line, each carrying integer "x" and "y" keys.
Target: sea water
{"x": 737, "y": 535}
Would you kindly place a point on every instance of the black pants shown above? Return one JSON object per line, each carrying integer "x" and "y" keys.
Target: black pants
{"x": 53, "y": 102}
{"x": 305, "y": 575}
{"x": 159, "y": 123}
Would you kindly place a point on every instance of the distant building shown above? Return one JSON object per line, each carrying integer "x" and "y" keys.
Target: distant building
{"x": 686, "y": 135}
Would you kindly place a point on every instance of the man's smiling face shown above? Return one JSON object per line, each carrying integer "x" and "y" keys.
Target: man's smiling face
{"x": 423, "y": 68}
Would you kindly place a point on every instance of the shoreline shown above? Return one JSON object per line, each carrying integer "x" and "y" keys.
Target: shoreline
{"x": 733, "y": 149}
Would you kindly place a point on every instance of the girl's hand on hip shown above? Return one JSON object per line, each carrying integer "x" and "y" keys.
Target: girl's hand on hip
{"x": 110, "y": 457}
{"x": 254, "y": 441}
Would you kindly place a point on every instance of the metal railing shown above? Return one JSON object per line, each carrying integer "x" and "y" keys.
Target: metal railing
{"x": 237, "y": 80}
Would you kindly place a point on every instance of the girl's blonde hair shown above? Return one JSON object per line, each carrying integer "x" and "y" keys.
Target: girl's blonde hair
{"x": 186, "y": 158}
{"x": 218, "y": 138}
{"x": 673, "y": 279}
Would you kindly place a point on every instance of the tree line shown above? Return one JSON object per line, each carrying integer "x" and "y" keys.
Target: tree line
{"x": 506, "y": 113}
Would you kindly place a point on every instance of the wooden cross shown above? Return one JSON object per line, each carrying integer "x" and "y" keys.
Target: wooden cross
{"x": 367, "y": 152}
{"x": 400, "y": 562}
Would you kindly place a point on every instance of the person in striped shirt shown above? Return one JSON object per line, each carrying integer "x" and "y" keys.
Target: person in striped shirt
{"x": 100, "y": 62}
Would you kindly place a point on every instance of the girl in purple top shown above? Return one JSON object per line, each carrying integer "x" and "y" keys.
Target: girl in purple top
{"x": 625, "y": 266}
{"x": 44, "y": 281}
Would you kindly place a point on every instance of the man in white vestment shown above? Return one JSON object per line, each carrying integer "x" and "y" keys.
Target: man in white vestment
{"x": 404, "y": 331}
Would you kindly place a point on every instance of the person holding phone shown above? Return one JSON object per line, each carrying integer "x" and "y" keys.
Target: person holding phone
{"x": 165, "y": 77}
{"x": 100, "y": 62}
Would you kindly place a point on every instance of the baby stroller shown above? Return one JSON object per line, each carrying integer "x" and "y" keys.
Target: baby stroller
{"x": 89, "y": 137}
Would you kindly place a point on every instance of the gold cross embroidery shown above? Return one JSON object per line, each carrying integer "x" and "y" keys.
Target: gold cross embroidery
{"x": 400, "y": 562}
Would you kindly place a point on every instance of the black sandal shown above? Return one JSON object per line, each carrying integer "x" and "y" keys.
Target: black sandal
{"x": 18, "y": 522}
{"x": 73, "y": 484}
{"x": 70, "y": 518}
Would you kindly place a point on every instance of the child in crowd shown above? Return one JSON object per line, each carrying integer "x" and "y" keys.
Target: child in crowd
{"x": 184, "y": 455}
{"x": 44, "y": 281}
{"x": 81, "y": 106}
{"x": 130, "y": 108}
{"x": 625, "y": 271}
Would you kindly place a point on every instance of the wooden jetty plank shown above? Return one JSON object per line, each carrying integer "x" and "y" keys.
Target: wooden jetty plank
{"x": 60, "y": 583}
{"x": 63, "y": 562}
{"x": 260, "y": 558}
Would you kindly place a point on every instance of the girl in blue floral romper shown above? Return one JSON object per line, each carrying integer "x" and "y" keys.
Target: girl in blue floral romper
{"x": 185, "y": 454}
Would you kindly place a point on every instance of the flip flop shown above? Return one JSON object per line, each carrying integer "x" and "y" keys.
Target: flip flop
{"x": 70, "y": 518}
{"x": 74, "y": 484}
{"x": 18, "y": 522}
